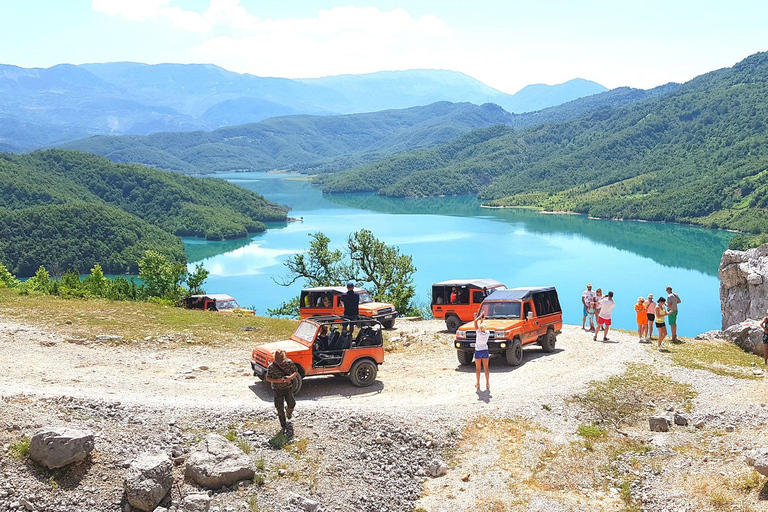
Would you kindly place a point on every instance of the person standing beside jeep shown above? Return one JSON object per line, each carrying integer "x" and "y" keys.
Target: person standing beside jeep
{"x": 587, "y": 298}
{"x": 482, "y": 355}
{"x": 351, "y": 301}
{"x": 673, "y": 300}
{"x": 280, "y": 374}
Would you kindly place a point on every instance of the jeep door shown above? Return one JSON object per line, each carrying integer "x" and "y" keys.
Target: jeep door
{"x": 531, "y": 326}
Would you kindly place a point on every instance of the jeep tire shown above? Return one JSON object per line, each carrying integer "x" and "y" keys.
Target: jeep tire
{"x": 465, "y": 357}
{"x": 549, "y": 340}
{"x": 452, "y": 323}
{"x": 297, "y": 383}
{"x": 363, "y": 373}
{"x": 514, "y": 353}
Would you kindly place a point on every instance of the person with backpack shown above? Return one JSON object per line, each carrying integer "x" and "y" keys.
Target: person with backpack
{"x": 280, "y": 375}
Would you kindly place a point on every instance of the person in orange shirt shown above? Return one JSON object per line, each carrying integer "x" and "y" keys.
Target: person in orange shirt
{"x": 642, "y": 318}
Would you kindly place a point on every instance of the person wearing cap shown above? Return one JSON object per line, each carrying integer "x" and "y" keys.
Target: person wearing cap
{"x": 673, "y": 300}
{"x": 280, "y": 375}
{"x": 642, "y": 318}
{"x": 764, "y": 325}
{"x": 587, "y": 298}
{"x": 651, "y": 314}
{"x": 351, "y": 301}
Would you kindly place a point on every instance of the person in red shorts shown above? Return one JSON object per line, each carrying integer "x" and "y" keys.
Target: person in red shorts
{"x": 604, "y": 317}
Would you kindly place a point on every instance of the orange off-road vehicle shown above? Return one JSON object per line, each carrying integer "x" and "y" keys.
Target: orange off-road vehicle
{"x": 330, "y": 345}
{"x": 326, "y": 300}
{"x": 515, "y": 317}
{"x": 458, "y": 300}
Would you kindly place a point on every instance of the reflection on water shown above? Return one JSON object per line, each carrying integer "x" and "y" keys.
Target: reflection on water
{"x": 672, "y": 245}
{"x": 453, "y": 237}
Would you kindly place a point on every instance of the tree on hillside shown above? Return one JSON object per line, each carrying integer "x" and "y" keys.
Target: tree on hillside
{"x": 385, "y": 273}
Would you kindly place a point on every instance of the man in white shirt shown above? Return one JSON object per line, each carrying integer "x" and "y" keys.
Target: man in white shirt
{"x": 604, "y": 318}
{"x": 587, "y": 296}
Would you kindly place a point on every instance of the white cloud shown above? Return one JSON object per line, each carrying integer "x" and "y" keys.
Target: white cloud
{"x": 340, "y": 40}
{"x": 227, "y": 13}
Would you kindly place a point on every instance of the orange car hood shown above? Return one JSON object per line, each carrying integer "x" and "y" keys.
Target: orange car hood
{"x": 501, "y": 324}
{"x": 288, "y": 345}
{"x": 373, "y": 306}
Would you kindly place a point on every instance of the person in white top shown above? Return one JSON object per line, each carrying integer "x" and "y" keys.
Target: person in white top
{"x": 587, "y": 297}
{"x": 604, "y": 317}
{"x": 481, "y": 349}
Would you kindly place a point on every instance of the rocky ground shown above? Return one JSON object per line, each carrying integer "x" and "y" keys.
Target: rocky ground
{"x": 385, "y": 447}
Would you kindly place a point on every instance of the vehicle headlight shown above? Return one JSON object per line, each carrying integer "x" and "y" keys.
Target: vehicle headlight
{"x": 461, "y": 334}
{"x": 458, "y": 345}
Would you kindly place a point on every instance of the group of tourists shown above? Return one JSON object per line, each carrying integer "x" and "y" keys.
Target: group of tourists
{"x": 597, "y": 308}
{"x": 650, "y": 314}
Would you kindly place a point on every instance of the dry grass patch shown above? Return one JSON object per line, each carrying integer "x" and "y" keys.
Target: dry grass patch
{"x": 715, "y": 356}
{"x": 87, "y": 318}
{"x": 626, "y": 398}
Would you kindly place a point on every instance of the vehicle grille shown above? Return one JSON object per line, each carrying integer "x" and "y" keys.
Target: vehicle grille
{"x": 261, "y": 359}
{"x": 383, "y": 311}
{"x": 471, "y": 335}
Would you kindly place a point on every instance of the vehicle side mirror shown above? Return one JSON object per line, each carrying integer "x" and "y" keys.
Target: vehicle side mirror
{"x": 530, "y": 315}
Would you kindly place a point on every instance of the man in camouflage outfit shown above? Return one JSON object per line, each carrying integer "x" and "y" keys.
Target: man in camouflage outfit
{"x": 280, "y": 374}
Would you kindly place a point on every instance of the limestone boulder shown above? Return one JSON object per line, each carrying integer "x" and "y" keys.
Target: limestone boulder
{"x": 743, "y": 285}
{"x": 56, "y": 447}
{"x": 216, "y": 462}
{"x": 747, "y": 334}
{"x": 758, "y": 459}
{"x": 659, "y": 423}
{"x": 149, "y": 478}
{"x": 195, "y": 502}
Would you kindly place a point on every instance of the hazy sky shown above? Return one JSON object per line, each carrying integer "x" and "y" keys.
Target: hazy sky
{"x": 506, "y": 44}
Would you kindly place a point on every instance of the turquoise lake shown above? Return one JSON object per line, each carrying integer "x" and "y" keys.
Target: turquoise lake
{"x": 453, "y": 237}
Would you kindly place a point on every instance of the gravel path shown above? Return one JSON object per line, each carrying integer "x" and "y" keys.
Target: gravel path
{"x": 367, "y": 448}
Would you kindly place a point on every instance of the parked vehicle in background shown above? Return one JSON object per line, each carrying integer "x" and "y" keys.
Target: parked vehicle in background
{"x": 325, "y": 301}
{"x": 515, "y": 317}
{"x": 468, "y": 294}
{"x": 216, "y": 302}
{"x": 328, "y": 345}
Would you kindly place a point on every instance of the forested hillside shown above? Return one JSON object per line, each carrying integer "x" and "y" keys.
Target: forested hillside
{"x": 310, "y": 143}
{"x": 698, "y": 153}
{"x": 66, "y": 209}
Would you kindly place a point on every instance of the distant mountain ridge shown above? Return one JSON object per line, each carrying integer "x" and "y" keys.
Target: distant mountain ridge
{"x": 696, "y": 152}
{"x": 67, "y": 102}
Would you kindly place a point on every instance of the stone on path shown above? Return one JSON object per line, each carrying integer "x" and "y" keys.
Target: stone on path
{"x": 216, "y": 462}
{"x": 758, "y": 459}
{"x": 148, "y": 481}
{"x": 56, "y": 447}
{"x": 658, "y": 423}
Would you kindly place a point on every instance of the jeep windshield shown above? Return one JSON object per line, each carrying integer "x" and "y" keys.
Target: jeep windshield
{"x": 305, "y": 332}
{"x": 227, "y": 304}
{"x": 365, "y": 298}
{"x": 501, "y": 309}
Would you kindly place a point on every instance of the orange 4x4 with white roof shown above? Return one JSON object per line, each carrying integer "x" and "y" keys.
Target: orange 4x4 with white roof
{"x": 516, "y": 317}
{"x": 326, "y": 300}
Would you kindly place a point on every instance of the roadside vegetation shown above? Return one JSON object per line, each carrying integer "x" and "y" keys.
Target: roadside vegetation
{"x": 718, "y": 357}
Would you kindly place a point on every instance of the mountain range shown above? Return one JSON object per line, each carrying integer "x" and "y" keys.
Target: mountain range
{"x": 695, "y": 153}
{"x": 43, "y": 107}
